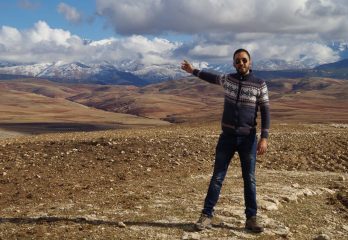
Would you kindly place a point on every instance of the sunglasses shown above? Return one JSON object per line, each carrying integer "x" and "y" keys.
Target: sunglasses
{"x": 240, "y": 60}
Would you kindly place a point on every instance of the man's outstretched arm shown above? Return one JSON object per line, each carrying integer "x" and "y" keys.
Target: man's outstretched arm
{"x": 206, "y": 76}
{"x": 263, "y": 102}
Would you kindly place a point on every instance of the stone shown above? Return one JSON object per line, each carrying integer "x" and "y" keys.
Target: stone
{"x": 322, "y": 237}
{"x": 121, "y": 225}
{"x": 291, "y": 198}
{"x": 307, "y": 192}
{"x": 191, "y": 236}
{"x": 273, "y": 200}
{"x": 341, "y": 178}
{"x": 283, "y": 232}
{"x": 302, "y": 227}
{"x": 328, "y": 190}
{"x": 269, "y": 206}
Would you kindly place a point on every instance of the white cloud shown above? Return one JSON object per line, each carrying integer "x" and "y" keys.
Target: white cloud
{"x": 45, "y": 44}
{"x": 136, "y": 47}
{"x": 293, "y": 30}
{"x": 262, "y": 47}
{"x": 211, "y": 51}
{"x": 10, "y": 36}
{"x": 203, "y": 16}
{"x": 70, "y": 13}
{"x": 43, "y": 33}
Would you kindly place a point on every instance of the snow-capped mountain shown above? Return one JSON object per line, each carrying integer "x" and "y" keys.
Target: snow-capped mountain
{"x": 266, "y": 65}
{"x": 31, "y": 70}
{"x": 132, "y": 72}
{"x": 159, "y": 73}
{"x": 104, "y": 73}
{"x": 74, "y": 70}
{"x": 278, "y": 64}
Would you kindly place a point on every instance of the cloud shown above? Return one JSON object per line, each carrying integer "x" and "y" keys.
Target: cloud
{"x": 27, "y": 4}
{"x": 70, "y": 13}
{"x": 220, "y": 47}
{"x": 45, "y": 44}
{"x": 42, "y": 43}
{"x": 136, "y": 48}
{"x": 325, "y": 17}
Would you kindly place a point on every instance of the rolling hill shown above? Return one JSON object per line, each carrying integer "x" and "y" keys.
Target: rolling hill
{"x": 306, "y": 100}
{"x": 41, "y": 106}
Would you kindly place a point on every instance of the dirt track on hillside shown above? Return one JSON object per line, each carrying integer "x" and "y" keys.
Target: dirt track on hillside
{"x": 150, "y": 184}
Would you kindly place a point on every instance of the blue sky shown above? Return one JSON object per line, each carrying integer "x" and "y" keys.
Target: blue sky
{"x": 165, "y": 31}
{"x": 23, "y": 15}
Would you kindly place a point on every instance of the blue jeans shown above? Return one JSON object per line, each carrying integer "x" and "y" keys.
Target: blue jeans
{"x": 225, "y": 149}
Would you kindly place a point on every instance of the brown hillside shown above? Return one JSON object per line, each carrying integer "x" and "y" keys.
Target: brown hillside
{"x": 21, "y": 105}
{"x": 314, "y": 100}
{"x": 294, "y": 100}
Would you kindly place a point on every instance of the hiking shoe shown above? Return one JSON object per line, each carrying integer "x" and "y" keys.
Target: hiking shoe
{"x": 204, "y": 222}
{"x": 253, "y": 225}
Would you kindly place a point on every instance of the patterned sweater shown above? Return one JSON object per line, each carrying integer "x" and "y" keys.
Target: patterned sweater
{"x": 244, "y": 95}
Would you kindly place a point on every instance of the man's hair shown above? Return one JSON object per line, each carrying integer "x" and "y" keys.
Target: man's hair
{"x": 241, "y": 50}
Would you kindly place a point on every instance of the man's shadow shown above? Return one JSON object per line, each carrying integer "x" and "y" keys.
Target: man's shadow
{"x": 187, "y": 227}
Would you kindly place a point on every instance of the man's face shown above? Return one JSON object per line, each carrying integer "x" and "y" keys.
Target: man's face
{"x": 242, "y": 63}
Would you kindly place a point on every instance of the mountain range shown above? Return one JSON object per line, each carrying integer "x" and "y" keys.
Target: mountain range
{"x": 134, "y": 73}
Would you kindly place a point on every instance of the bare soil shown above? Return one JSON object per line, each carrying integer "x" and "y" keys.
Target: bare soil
{"x": 150, "y": 184}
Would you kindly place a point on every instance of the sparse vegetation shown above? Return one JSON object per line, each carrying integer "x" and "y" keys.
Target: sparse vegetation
{"x": 150, "y": 184}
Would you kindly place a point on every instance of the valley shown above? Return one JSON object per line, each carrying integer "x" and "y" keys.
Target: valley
{"x": 88, "y": 107}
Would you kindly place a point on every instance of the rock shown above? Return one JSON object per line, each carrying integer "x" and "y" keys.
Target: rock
{"x": 191, "y": 236}
{"x": 121, "y": 225}
{"x": 307, "y": 192}
{"x": 269, "y": 206}
{"x": 322, "y": 237}
{"x": 283, "y": 232}
{"x": 273, "y": 200}
{"x": 269, "y": 223}
{"x": 295, "y": 185}
{"x": 291, "y": 198}
{"x": 328, "y": 190}
{"x": 302, "y": 228}
{"x": 341, "y": 178}
{"x": 345, "y": 227}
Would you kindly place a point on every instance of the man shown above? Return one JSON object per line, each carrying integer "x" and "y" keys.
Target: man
{"x": 244, "y": 95}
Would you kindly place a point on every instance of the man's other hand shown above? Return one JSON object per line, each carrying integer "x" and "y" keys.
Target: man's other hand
{"x": 262, "y": 146}
{"x": 186, "y": 66}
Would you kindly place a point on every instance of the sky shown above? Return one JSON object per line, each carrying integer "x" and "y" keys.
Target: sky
{"x": 167, "y": 31}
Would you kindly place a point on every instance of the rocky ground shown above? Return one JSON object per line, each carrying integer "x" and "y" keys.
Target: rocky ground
{"x": 150, "y": 184}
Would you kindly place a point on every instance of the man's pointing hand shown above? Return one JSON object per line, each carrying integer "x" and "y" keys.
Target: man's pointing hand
{"x": 186, "y": 66}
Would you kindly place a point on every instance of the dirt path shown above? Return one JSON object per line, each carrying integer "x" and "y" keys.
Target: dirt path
{"x": 150, "y": 184}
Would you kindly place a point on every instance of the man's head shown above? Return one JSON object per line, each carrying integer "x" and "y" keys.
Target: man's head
{"x": 242, "y": 61}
